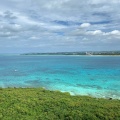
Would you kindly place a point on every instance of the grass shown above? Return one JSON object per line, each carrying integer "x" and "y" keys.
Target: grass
{"x": 41, "y": 104}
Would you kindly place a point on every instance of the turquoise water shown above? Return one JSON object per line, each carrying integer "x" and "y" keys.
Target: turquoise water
{"x": 97, "y": 76}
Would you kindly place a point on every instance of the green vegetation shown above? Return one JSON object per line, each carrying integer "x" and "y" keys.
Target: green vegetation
{"x": 41, "y": 104}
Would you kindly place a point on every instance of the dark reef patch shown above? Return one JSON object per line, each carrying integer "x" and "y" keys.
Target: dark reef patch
{"x": 33, "y": 82}
{"x": 89, "y": 86}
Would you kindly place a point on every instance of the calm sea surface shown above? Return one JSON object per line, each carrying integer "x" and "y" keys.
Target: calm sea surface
{"x": 98, "y": 76}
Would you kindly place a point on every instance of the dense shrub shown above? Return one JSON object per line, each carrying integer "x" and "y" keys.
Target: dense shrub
{"x": 41, "y": 104}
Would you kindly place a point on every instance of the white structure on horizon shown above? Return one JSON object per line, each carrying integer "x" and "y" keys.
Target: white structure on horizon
{"x": 89, "y": 53}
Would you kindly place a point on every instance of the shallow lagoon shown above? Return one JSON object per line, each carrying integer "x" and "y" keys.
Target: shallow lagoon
{"x": 97, "y": 76}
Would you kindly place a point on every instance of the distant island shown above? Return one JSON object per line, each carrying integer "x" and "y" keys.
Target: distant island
{"x": 78, "y": 53}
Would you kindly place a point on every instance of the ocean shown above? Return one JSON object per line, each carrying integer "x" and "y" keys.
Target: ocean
{"x": 97, "y": 76}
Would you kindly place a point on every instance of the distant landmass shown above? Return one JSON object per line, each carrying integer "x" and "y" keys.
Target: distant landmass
{"x": 78, "y": 53}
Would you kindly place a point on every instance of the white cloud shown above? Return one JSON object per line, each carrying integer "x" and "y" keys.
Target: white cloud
{"x": 84, "y": 25}
{"x": 34, "y": 38}
{"x": 96, "y": 32}
{"x": 91, "y": 21}
{"x": 5, "y": 34}
{"x": 89, "y": 32}
{"x": 115, "y": 32}
{"x": 13, "y": 37}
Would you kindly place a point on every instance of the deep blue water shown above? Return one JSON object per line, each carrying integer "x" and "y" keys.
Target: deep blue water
{"x": 98, "y": 76}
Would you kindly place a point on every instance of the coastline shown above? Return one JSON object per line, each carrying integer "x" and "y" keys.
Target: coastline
{"x": 56, "y": 55}
{"x": 68, "y": 55}
{"x": 69, "y": 92}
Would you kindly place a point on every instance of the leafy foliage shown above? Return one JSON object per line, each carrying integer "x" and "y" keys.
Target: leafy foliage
{"x": 41, "y": 104}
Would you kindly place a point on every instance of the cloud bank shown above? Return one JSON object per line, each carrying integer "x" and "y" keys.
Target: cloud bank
{"x": 59, "y": 25}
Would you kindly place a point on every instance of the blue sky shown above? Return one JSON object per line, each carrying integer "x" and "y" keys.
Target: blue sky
{"x": 59, "y": 25}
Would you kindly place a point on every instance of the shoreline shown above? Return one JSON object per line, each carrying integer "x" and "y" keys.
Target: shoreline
{"x": 62, "y": 55}
{"x": 71, "y": 94}
{"x": 70, "y": 55}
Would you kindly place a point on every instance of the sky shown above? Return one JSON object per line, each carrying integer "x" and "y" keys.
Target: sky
{"x": 59, "y": 25}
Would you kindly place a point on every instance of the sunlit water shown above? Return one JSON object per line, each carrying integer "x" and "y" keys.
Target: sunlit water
{"x": 97, "y": 76}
